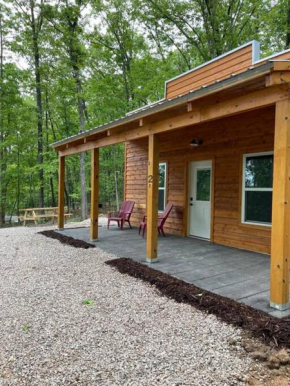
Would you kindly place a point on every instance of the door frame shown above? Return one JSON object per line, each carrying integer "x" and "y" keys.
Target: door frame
{"x": 186, "y": 216}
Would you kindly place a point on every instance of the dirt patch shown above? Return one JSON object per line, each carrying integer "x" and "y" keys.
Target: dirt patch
{"x": 274, "y": 380}
{"x": 261, "y": 325}
{"x": 67, "y": 240}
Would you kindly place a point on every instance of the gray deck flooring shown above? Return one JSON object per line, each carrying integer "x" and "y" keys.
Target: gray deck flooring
{"x": 230, "y": 272}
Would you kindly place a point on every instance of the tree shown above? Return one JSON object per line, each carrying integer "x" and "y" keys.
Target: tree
{"x": 65, "y": 17}
{"x": 29, "y": 18}
{"x": 202, "y": 29}
{"x": 2, "y": 164}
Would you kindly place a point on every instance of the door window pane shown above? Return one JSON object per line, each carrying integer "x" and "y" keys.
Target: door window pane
{"x": 258, "y": 206}
{"x": 203, "y": 185}
{"x": 259, "y": 171}
{"x": 161, "y": 197}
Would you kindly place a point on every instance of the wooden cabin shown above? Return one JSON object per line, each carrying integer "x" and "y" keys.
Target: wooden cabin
{"x": 217, "y": 147}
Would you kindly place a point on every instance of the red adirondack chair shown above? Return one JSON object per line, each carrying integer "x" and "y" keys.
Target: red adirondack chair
{"x": 161, "y": 221}
{"x": 123, "y": 215}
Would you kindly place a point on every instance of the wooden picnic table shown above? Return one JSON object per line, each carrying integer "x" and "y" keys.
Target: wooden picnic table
{"x": 32, "y": 214}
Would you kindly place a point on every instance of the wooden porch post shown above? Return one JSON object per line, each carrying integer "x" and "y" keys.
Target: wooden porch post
{"x": 280, "y": 241}
{"x": 94, "y": 194}
{"x": 61, "y": 172}
{"x": 152, "y": 198}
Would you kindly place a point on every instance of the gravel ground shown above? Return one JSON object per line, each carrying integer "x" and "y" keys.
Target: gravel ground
{"x": 126, "y": 335}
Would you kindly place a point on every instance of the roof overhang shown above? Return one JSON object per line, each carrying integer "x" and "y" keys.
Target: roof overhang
{"x": 133, "y": 119}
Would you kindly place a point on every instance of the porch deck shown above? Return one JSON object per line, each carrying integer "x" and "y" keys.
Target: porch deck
{"x": 230, "y": 272}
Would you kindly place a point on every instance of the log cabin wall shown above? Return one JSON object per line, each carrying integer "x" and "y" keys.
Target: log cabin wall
{"x": 224, "y": 141}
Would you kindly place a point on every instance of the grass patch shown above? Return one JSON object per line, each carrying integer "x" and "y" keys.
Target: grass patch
{"x": 25, "y": 327}
{"x": 88, "y": 302}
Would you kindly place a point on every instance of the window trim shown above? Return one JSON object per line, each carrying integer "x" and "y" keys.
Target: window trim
{"x": 244, "y": 189}
{"x": 165, "y": 185}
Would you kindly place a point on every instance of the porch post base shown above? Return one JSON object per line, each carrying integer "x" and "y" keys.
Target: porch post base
{"x": 94, "y": 240}
{"x": 280, "y": 307}
{"x": 60, "y": 229}
{"x": 151, "y": 260}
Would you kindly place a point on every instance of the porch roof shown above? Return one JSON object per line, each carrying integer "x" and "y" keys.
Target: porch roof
{"x": 132, "y": 119}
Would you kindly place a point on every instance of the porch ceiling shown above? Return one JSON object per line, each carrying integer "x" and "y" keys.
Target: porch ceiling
{"x": 237, "y": 274}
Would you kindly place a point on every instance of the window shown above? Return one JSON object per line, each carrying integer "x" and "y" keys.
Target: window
{"x": 162, "y": 186}
{"x": 203, "y": 185}
{"x": 257, "y": 188}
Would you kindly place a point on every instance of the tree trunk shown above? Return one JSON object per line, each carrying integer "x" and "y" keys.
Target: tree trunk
{"x": 18, "y": 177}
{"x": 81, "y": 112}
{"x": 35, "y": 31}
{"x": 82, "y": 155}
{"x": 31, "y": 202}
{"x": 2, "y": 165}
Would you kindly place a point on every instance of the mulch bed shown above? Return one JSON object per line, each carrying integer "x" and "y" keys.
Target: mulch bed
{"x": 67, "y": 240}
{"x": 261, "y": 325}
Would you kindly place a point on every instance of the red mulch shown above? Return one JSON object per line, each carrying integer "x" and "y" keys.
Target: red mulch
{"x": 260, "y": 324}
{"x": 67, "y": 240}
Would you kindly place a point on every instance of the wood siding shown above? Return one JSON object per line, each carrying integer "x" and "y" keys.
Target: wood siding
{"x": 283, "y": 56}
{"x": 224, "y": 141}
{"x": 222, "y": 68}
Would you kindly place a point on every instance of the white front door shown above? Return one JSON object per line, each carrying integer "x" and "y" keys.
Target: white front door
{"x": 200, "y": 199}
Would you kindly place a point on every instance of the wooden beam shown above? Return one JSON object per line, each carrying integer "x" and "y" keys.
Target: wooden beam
{"x": 281, "y": 66}
{"x": 94, "y": 194}
{"x": 116, "y": 130}
{"x": 247, "y": 102}
{"x": 189, "y": 106}
{"x": 61, "y": 176}
{"x": 278, "y": 77}
{"x": 145, "y": 121}
{"x": 152, "y": 198}
{"x": 78, "y": 148}
{"x": 280, "y": 240}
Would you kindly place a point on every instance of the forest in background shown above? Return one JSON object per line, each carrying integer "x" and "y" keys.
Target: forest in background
{"x": 67, "y": 66}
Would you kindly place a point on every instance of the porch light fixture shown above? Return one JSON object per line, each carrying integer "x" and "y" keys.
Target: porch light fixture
{"x": 195, "y": 142}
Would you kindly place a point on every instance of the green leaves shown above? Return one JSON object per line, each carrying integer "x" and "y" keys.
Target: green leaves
{"x": 88, "y": 302}
{"x": 25, "y": 327}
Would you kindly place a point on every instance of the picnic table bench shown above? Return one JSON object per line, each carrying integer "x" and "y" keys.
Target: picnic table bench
{"x": 32, "y": 214}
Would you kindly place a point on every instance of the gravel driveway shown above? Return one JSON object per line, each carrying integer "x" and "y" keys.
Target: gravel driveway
{"x": 126, "y": 335}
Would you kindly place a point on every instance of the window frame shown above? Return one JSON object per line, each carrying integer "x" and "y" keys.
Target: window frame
{"x": 165, "y": 185}
{"x": 244, "y": 189}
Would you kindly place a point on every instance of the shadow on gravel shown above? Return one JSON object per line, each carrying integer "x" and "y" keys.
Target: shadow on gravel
{"x": 67, "y": 240}
{"x": 261, "y": 325}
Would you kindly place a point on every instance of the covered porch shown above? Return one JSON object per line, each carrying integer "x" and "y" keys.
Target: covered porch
{"x": 234, "y": 273}
{"x": 243, "y": 115}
